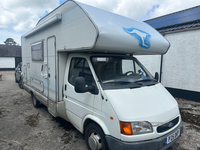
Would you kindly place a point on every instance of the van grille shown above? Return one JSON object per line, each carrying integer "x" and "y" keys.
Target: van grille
{"x": 167, "y": 125}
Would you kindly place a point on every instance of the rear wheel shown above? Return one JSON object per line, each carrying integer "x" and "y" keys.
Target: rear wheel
{"x": 35, "y": 102}
{"x": 95, "y": 138}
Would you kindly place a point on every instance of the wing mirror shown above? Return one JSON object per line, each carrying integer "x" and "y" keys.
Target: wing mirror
{"x": 156, "y": 76}
{"x": 81, "y": 87}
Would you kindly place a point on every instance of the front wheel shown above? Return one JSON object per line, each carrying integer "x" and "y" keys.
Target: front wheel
{"x": 36, "y": 103}
{"x": 95, "y": 138}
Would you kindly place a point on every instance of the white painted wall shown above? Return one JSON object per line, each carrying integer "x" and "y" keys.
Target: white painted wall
{"x": 151, "y": 62}
{"x": 7, "y": 62}
{"x": 181, "y": 64}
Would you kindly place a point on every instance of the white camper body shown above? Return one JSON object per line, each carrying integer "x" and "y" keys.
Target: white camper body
{"x": 78, "y": 61}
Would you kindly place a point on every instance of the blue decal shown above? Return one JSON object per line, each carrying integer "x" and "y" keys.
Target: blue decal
{"x": 141, "y": 36}
{"x": 166, "y": 141}
{"x": 170, "y": 124}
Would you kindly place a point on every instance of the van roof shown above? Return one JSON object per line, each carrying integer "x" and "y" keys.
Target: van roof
{"x": 118, "y": 34}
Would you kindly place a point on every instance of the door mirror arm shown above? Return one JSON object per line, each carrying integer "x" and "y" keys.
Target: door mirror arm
{"x": 156, "y": 76}
{"x": 93, "y": 89}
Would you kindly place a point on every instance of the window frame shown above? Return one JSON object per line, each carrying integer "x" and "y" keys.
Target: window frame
{"x": 113, "y": 87}
{"x": 73, "y": 84}
{"x": 41, "y": 58}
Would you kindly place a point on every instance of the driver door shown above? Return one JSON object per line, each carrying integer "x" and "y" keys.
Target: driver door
{"x": 78, "y": 105}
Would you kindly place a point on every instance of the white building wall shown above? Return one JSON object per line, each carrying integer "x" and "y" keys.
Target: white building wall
{"x": 151, "y": 62}
{"x": 7, "y": 62}
{"x": 181, "y": 64}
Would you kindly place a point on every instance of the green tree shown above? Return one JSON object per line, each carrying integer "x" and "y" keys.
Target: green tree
{"x": 10, "y": 41}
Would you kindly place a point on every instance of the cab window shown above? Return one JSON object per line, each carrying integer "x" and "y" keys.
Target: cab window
{"x": 79, "y": 68}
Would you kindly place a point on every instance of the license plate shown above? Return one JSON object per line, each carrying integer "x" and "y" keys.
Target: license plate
{"x": 172, "y": 137}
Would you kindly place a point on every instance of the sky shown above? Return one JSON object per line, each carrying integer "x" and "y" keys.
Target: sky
{"x": 19, "y": 16}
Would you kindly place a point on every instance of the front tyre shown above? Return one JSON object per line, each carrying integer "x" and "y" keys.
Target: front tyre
{"x": 95, "y": 138}
{"x": 35, "y": 102}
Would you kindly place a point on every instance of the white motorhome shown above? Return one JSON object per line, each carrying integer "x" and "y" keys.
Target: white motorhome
{"x": 78, "y": 61}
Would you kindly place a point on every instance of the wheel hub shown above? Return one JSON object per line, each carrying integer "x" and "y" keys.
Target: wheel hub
{"x": 95, "y": 141}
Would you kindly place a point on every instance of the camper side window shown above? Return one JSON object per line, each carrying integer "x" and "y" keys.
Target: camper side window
{"x": 37, "y": 51}
{"x": 79, "y": 68}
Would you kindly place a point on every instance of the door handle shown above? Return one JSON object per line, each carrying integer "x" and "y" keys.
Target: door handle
{"x": 42, "y": 69}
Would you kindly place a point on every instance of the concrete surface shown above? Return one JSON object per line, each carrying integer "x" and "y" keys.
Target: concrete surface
{"x": 23, "y": 127}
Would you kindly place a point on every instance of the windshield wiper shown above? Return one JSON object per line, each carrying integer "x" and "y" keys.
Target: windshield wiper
{"x": 146, "y": 80}
{"x": 114, "y": 81}
{"x": 126, "y": 84}
{"x": 133, "y": 84}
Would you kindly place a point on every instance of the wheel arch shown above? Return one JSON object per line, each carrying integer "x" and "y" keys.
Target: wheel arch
{"x": 92, "y": 119}
{"x": 31, "y": 92}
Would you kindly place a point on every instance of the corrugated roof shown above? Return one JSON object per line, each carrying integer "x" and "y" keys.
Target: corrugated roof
{"x": 10, "y": 51}
{"x": 175, "y": 21}
{"x": 180, "y": 27}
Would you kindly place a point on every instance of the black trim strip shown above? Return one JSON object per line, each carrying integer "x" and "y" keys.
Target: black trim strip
{"x": 185, "y": 94}
{"x": 7, "y": 69}
{"x": 161, "y": 65}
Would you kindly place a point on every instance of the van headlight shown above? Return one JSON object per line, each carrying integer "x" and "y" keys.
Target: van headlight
{"x": 141, "y": 127}
{"x": 135, "y": 128}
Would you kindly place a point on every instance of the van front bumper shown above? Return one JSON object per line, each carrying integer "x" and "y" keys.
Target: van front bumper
{"x": 155, "y": 144}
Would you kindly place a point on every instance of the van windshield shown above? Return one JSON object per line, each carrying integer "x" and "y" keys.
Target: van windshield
{"x": 121, "y": 72}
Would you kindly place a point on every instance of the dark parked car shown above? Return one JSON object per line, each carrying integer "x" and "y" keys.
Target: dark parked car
{"x": 18, "y": 76}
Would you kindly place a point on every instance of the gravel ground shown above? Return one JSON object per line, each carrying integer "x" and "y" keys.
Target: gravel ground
{"x": 23, "y": 127}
